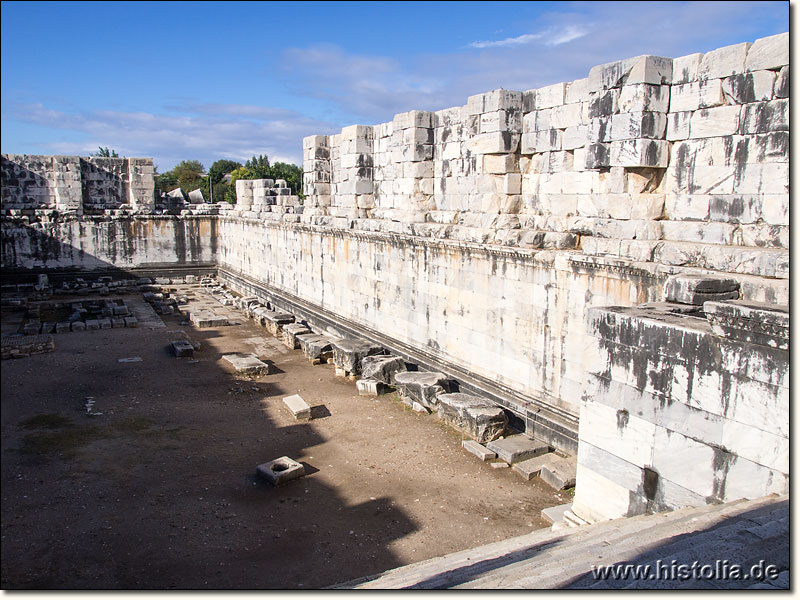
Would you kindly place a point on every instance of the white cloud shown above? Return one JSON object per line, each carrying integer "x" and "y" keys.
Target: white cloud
{"x": 202, "y": 132}
{"x": 549, "y": 37}
{"x": 513, "y": 41}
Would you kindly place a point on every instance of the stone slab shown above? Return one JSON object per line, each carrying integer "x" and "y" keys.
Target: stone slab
{"x": 516, "y": 448}
{"x": 298, "y": 407}
{"x": 247, "y": 364}
{"x": 371, "y": 387}
{"x": 289, "y": 333}
{"x": 478, "y": 450}
{"x": 696, "y": 290}
{"x": 315, "y": 347}
{"x": 531, "y": 467}
{"x": 348, "y": 354}
{"x": 555, "y": 514}
{"x": 281, "y": 470}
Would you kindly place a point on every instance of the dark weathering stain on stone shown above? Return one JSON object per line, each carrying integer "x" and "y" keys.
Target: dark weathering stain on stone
{"x": 651, "y": 154}
{"x": 723, "y": 461}
{"x": 622, "y": 419}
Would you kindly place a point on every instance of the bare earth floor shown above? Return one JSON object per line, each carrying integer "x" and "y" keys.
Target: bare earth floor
{"x": 160, "y": 491}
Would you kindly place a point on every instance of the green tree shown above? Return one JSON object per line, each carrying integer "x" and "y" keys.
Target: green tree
{"x": 105, "y": 153}
{"x": 220, "y": 167}
{"x": 291, "y": 173}
{"x": 259, "y": 167}
{"x": 189, "y": 174}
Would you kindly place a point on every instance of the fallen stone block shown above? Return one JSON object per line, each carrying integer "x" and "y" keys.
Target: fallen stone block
{"x": 298, "y": 407}
{"x": 371, "y": 387}
{"x": 382, "y": 368}
{"x": 281, "y": 470}
{"x": 247, "y": 364}
{"x": 91, "y": 324}
{"x": 477, "y": 417}
{"x": 559, "y": 472}
{"x": 499, "y": 465}
{"x": 105, "y": 323}
{"x": 131, "y": 322}
{"x": 118, "y": 322}
{"x": 274, "y": 320}
{"x": 516, "y": 448}
{"x": 478, "y": 450}
{"x": 316, "y": 347}
{"x": 289, "y": 333}
{"x": 421, "y": 387}
{"x": 531, "y": 467}
{"x": 686, "y": 289}
{"x": 17, "y": 346}
{"x": 182, "y": 349}
{"x": 348, "y": 354}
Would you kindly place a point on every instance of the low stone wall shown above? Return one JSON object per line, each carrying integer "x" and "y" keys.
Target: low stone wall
{"x": 103, "y": 243}
{"x": 681, "y": 409}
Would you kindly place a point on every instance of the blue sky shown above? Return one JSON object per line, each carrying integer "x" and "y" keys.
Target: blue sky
{"x": 208, "y": 80}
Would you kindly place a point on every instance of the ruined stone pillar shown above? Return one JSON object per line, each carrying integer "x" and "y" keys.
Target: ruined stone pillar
{"x": 67, "y": 184}
{"x": 142, "y": 184}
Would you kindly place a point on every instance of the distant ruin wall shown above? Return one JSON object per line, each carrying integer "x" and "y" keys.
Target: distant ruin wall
{"x": 75, "y": 185}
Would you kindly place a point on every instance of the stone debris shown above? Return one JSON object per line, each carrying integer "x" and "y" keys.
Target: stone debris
{"x": 421, "y": 387}
{"x": 247, "y": 364}
{"x": 203, "y": 319}
{"x": 478, "y": 450}
{"x": 499, "y": 465}
{"x": 316, "y": 347}
{"x": 516, "y": 448}
{"x": 131, "y": 359}
{"x": 348, "y": 354}
{"x": 298, "y": 407}
{"x": 531, "y": 467}
{"x": 273, "y": 320}
{"x": 281, "y": 470}
{"x": 182, "y": 349}
{"x": 477, "y": 417}
{"x": 382, "y": 368}
{"x": 555, "y": 514}
{"x": 16, "y": 346}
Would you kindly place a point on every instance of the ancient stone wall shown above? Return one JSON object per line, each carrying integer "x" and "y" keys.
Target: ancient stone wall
{"x": 75, "y": 185}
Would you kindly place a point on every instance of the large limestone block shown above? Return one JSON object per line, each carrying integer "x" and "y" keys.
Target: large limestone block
{"x": 639, "y": 153}
{"x": 685, "y": 68}
{"x": 754, "y": 86}
{"x": 750, "y": 322}
{"x": 640, "y": 69}
{"x": 477, "y": 417}
{"x": 768, "y": 53}
{"x": 714, "y": 122}
{"x": 633, "y": 125}
{"x": 723, "y": 62}
{"x": 551, "y": 95}
{"x": 764, "y": 117}
{"x": 382, "y": 368}
{"x": 421, "y": 387}
{"x": 348, "y": 354}
{"x": 501, "y": 142}
{"x": 706, "y": 93}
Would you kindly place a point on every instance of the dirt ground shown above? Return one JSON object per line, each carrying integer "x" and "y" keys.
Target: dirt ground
{"x": 158, "y": 489}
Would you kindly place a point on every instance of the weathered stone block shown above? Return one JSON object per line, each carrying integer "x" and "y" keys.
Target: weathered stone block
{"x": 639, "y": 153}
{"x": 559, "y": 472}
{"x": 182, "y": 349}
{"x": 501, "y": 142}
{"x": 695, "y": 95}
{"x": 715, "y": 122}
{"x": 749, "y": 87}
{"x": 633, "y": 125}
{"x": 421, "y": 387}
{"x": 531, "y": 467}
{"x": 289, "y": 333}
{"x": 516, "y": 448}
{"x": 246, "y": 364}
{"x": 382, "y": 368}
{"x": 371, "y": 387}
{"x": 768, "y": 53}
{"x": 316, "y": 348}
{"x": 723, "y": 62}
{"x": 477, "y": 417}
{"x": 348, "y": 354}
{"x": 281, "y": 470}
{"x": 640, "y": 69}
{"x": 750, "y": 322}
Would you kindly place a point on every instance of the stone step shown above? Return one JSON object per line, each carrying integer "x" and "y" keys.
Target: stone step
{"x": 478, "y": 450}
{"x": 516, "y": 448}
{"x": 555, "y": 514}
{"x": 559, "y": 472}
{"x": 564, "y": 555}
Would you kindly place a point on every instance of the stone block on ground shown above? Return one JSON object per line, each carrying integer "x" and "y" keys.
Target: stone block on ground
{"x": 381, "y": 367}
{"x": 289, "y": 333}
{"x": 559, "y": 472}
{"x": 281, "y": 470}
{"x": 131, "y": 322}
{"x": 531, "y": 467}
{"x": 477, "y": 417}
{"x": 478, "y": 450}
{"x": 204, "y": 319}
{"x": 247, "y": 364}
{"x": 516, "y": 448}
{"x": 274, "y": 320}
{"x": 298, "y": 407}
{"x": 421, "y": 387}
{"x": 371, "y": 387}
{"x": 316, "y": 347}
{"x": 182, "y": 349}
{"x": 348, "y": 354}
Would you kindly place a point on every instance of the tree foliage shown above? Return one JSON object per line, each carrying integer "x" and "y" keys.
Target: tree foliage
{"x": 105, "y": 153}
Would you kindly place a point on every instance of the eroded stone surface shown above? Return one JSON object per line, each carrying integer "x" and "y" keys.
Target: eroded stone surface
{"x": 247, "y": 364}
{"x": 421, "y": 387}
{"x": 516, "y": 448}
{"x": 477, "y": 417}
{"x": 382, "y": 368}
{"x": 281, "y": 470}
{"x": 348, "y": 354}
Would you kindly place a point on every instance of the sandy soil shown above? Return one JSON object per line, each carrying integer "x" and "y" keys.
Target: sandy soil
{"x": 159, "y": 491}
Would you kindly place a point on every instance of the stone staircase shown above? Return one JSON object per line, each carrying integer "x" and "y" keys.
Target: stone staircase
{"x": 742, "y": 533}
